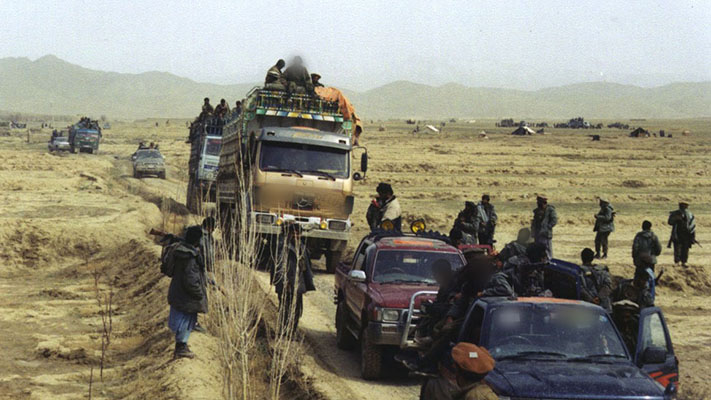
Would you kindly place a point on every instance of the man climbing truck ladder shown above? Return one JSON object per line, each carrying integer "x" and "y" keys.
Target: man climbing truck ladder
{"x": 288, "y": 158}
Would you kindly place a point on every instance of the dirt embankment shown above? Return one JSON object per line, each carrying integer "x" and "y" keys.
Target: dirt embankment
{"x": 74, "y": 239}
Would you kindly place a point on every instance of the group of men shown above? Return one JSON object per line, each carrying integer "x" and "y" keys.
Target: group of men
{"x": 221, "y": 112}
{"x": 294, "y": 79}
{"x": 477, "y": 222}
{"x": 88, "y": 123}
{"x": 517, "y": 270}
{"x": 151, "y": 146}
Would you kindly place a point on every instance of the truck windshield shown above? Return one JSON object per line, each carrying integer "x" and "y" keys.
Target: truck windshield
{"x": 213, "y": 146}
{"x": 148, "y": 154}
{"x": 305, "y": 159}
{"x": 560, "y": 331}
{"x": 399, "y": 266}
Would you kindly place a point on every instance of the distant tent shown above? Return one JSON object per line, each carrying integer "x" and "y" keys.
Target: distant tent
{"x": 523, "y": 131}
{"x": 685, "y": 133}
{"x": 432, "y": 128}
{"x": 640, "y": 132}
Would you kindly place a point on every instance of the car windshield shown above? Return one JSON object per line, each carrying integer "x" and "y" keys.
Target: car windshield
{"x": 393, "y": 266}
{"x": 61, "y": 139}
{"x": 148, "y": 154}
{"x": 213, "y": 146}
{"x": 564, "y": 331}
{"x": 304, "y": 159}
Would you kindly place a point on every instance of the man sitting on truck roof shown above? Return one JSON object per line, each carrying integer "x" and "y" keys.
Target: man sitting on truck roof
{"x": 298, "y": 78}
{"x": 222, "y": 109}
{"x": 206, "y": 110}
{"x": 315, "y": 80}
{"x": 275, "y": 78}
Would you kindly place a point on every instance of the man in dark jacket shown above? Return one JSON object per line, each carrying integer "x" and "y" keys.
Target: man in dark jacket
{"x": 515, "y": 248}
{"x": 604, "y": 225}
{"x": 544, "y": 219}
{"x": 525, "y": 271}
{"x": 683, "y": 234}
{"x": 598, "y": 284}
{"x": 486, "y": 220}
{"x": 645, "y": 249}
{"x": 465, "y": 227}
{"x": 635, "y": 290}
{"x": 187, "y": 294}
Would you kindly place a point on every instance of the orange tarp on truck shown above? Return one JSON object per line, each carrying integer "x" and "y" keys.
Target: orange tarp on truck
{"x": 345, "y": 106}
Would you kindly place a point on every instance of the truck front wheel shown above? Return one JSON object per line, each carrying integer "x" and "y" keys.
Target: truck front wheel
{"x": 333, "y": 258}
{"x": 371, "y": 357}
{"x": 344, "y": 337}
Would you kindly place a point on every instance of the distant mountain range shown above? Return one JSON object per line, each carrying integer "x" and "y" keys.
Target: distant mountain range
{"x": 49, "y": 85}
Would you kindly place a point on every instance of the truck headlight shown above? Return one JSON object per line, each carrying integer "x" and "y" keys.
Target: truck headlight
{"x": 266, "y": 219}
{"x": 388, "y": 314}
{"x": 337, "y": 225}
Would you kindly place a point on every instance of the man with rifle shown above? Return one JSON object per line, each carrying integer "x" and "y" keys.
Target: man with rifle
{"x": 604, "y": 225}
{"x": 683, "y": 234}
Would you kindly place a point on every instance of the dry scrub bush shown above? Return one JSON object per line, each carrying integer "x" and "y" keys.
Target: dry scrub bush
{"x": 238, "y": 304}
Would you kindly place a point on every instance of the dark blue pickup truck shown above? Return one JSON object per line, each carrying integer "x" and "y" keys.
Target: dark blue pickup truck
{"x": 561, "y": 348}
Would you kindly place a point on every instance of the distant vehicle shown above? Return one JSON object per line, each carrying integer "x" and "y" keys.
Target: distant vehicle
{"x": 85, "y": 137}
{"x": 59, "y": 143}
{"x": 148, "y": 162}
{"x": 374, "y": 290}
{"x": 205, "y": 147}
{"x": 552, "y": 348}
{"x": 107, "y": 125}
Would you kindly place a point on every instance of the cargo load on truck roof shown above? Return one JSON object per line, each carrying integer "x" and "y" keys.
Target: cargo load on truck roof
{"x": 329, "y": 105}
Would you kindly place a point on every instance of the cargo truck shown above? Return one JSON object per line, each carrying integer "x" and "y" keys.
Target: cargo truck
{"x": 205, "y": 144}
{"x": 287, "y": 158}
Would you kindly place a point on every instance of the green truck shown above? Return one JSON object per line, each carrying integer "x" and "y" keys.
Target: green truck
{"x": 84, "y": 137}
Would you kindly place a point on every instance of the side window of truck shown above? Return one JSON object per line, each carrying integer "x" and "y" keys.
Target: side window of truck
{"x": 359, "y": 258}
{"x": 472, "y": 329}
{"x": 653, "y": 332}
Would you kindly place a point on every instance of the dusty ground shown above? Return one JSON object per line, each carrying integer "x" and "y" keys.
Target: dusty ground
{"x": 58, "y": 226}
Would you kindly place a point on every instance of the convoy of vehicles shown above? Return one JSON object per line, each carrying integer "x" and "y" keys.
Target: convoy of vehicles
{"x": 289, "y": 157}
{"x": 148, "y": 162}
{"x": 205, "y": 146}
{"x": 373, "y": 292}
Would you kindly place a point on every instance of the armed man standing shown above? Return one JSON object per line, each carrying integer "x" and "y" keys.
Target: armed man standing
{"x": 604, "y": 225}
{"x": 645, "y": 249}
{"x": 683, "y": 234}
{"x": 544, "y": 219}
{"x": 486, "y": 220}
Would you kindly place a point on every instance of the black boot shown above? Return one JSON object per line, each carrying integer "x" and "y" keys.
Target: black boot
{"x": 182, "y": 351}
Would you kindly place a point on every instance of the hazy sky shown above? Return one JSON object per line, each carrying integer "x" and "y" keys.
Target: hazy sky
{"x": 361, "y": 44}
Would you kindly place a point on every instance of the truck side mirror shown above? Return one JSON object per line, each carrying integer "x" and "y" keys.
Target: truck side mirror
{"x": 670, "y": 391}
{"x": 654, "y": 355}
{"x": 357, "y": 275}
{"x": 364, "y": 162}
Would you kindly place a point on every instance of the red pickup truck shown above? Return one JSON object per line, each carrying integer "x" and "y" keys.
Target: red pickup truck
{"x": 373, "y": 292}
